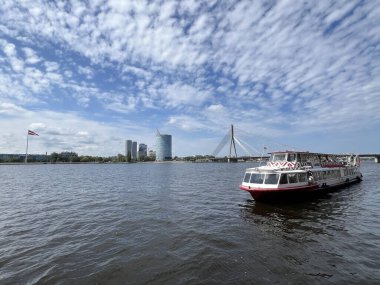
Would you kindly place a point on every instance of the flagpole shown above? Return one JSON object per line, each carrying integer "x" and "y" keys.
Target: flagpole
{"x": 27, "y": 142}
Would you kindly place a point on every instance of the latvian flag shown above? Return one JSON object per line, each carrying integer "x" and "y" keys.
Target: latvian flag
{"x": 31, "y": 133}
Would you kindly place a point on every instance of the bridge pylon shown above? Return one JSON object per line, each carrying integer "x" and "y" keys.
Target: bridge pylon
{"x": 232, "y": 144}
{"x": 232, "y": 139}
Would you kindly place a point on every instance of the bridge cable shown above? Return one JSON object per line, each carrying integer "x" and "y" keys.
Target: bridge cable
{"x": 243, "y": 147}
{"x": 222, "y": 144}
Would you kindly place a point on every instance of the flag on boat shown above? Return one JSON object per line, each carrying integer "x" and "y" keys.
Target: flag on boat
{"x": 31, "y": 133}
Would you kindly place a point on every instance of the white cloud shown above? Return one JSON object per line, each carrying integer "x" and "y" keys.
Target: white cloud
{"x": 9, "y": 49}
{"x": 87, "y": 71}
{"x": 186, "y": 123}
{"x": 290, "y": 66}
{"x": 120, "y": 107}
{"x": 37, "y": 126}
{"x": 76, "y": 134}
{"x": 10, "y": 109}
{"x": 31, "y": 56}
{"x": 183, "y": 94}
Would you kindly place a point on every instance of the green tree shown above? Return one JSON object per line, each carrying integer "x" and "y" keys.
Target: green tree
{"x": 54, "y": 157}
{"x": 84, "y": 159}
{"x": 121, "y": 158}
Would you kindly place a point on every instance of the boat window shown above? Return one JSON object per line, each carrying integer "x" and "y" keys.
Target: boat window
{"x": 279, "y": 156}
{"x": 292, "y": 177}
{"x": 284, "y": 179}
{"x": 271, "y": 178}
{"x": 246, "y": 177}
{"x": 257, "y": 178}
{"x": 302, "y": 177}
{"x": 291, "y": 156}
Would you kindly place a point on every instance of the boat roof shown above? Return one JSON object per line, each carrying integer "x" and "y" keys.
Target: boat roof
{"x": 272, "y": 170}
{"x": 308, "y": 152}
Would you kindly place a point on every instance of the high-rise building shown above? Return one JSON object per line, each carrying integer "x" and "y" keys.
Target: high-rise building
{"x": 142, "y": 151}
{"x": 163, "y": 147}
{"x": 134, "y": 151}
{"x": 128, "y": 148}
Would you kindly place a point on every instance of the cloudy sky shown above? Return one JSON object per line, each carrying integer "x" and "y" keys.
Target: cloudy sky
{"x": 87, "y": 75}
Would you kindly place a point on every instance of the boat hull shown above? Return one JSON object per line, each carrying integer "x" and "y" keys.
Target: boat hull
{"x": 296, "y": 193}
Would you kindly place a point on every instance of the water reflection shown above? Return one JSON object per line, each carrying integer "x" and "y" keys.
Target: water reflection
{"x": 299, "y": 222}
{"x": 309, "y": 220}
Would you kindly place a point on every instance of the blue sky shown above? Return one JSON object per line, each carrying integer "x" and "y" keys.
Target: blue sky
{"x": 87, "y": 75}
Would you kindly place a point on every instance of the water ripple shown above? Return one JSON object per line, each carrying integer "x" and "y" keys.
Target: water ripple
{"x": 179, "y": 224}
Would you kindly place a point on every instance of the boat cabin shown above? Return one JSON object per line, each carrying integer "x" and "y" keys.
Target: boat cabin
{"x": 295, "y": 159}
{"x": 300, "y": 172}
{"x": 275, "y": 178}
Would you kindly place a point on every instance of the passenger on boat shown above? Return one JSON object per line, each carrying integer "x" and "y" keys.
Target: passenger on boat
{"x": 310, "y": 177}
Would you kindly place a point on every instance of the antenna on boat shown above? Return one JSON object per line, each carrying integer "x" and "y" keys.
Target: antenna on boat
{"x": 262, "y": 152}
{"x": 232, "y": 143}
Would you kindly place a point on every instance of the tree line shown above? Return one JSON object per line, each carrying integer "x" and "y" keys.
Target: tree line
{"x": 74, "y": 157}
{"x": 69, "y": 157}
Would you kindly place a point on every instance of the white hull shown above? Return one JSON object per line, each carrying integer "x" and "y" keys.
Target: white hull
{"x": 282, "y": 178}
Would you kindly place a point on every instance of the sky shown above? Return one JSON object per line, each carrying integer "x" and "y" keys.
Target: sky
{"x": 88, "y": 75}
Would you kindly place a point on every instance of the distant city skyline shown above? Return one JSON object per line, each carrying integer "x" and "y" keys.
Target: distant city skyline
{"x": 87, "y": 75}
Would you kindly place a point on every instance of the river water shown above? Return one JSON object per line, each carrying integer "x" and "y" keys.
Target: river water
{"x": 179, "y": 223}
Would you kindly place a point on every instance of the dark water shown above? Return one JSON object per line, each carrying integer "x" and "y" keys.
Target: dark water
{"x": 179, "y": 224}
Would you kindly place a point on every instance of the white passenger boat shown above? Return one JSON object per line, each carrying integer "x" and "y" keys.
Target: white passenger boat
{"x": 291, "y": 174}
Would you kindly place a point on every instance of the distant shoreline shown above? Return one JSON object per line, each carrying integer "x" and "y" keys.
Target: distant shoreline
{"x": 91, "y": 162}
{"x": 106, "y": 163}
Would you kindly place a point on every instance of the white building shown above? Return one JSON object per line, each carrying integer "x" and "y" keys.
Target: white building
{"x": 163, "y": 147}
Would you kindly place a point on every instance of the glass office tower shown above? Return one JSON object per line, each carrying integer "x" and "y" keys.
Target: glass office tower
{"x": 163, "y": 147}
{"x": 128, "y": 148}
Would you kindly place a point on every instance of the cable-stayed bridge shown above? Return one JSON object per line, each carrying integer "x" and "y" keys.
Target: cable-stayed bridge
{"x": 233, "y": 140}
{"x": 254, "y": 153}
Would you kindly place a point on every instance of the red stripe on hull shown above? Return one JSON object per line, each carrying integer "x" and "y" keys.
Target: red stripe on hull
{"x": 300, "y": 192}
{"x": 260, "y": 194}
{"x": 299, "y": 188}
